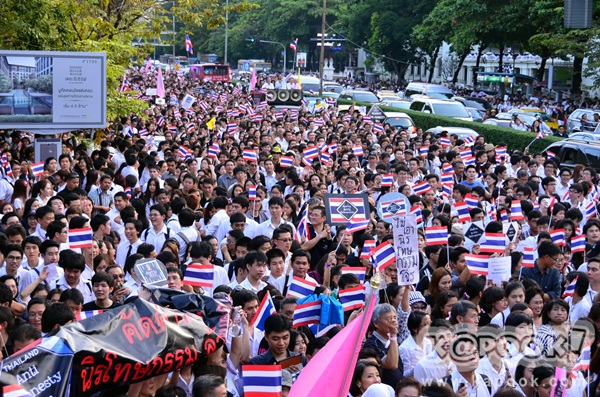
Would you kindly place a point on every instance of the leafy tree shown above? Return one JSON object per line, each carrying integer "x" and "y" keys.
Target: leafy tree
{"x": 5, "y": 83}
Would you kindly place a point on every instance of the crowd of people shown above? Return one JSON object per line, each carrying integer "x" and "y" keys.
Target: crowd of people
{"x": 225, "y": 182}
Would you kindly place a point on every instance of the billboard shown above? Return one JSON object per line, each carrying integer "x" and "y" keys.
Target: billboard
{"x": 42, "y": 90}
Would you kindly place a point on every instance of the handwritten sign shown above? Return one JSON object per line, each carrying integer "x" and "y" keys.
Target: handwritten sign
{"x": 499, "y": 270}
{"x": 407, "y": 249}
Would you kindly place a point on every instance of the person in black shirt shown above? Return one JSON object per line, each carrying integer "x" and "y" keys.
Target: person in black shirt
{"x": 103, "y": 285}
{"x": 277, "y": 335}
{"x": 320, "y": 236}
{"x": 72, "y": 186}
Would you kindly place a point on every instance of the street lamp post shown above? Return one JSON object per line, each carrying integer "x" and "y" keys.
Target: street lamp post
{"x": 284, "y": 51}
{"x": 322, "y": 54}
{"x": 226, "y": 30}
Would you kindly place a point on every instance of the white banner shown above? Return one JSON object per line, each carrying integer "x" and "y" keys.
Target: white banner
{"x": 407, "y": 248}
{"x": 499, "y": 270}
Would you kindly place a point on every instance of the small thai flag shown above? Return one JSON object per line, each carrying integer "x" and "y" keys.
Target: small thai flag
{"x": 570, "y": 290}
{"x": 184, "y": 152}
{"x": 223, "y": 97}
{"x": 387, "y": 180}
{"x": 494, "y": 243}
{"x": 198, "y": 275}
{"x": 421, "y": 188}
{"x": 584, "y": 361}
{"x": 446, "y": 190}
{"x": 319, "y": 122}
{"x": 424, "y": 151}
{"x": 565, "y": 197}
{"x": 504, "y": 216}
{"x": 445, "y": 142}
{"x": 306, "y": 162}
{"x": 286, "y": 161}
{"x": 190, "y": 127}
{"x": 325, "y": 158}
{"x": 160, "y": 121}
{"x": 384, "y": 255}
{"x": 311, "y": 153}
{"x": 242, "y": 108}
{"x": 300, "y": 288}
{"x": 279, "y": 115}
{"x": 14, "y": 391}
{"x": 347, "y": 118}
{"x": 578, "y": 244}
{"x": 528, "y": 257}
{"x": 143, "y": 132}
{"x": 257, "y": 118}
{"x": 333, "y": 148}
{"x": 447, "y": 168}
{"x": 307, "y": 313}
{"x": 354, "y": 227}
{"x": 294, "y": 44}
{"x": 539, "y": 135}
{"x": 436, "y": 235}
{"x": 231, "y": 128}
{"x": 359, "y": 272}
{"x": 172, "y": 129}
{"x": 357, "y": 150}
{"x": 516, "y": 213}
{"x": 213, "y": 151}
{"x": 416, "y": 210}
{"x": 558, "y": 237}
{"x": 320, "y": 330}
{"x": 590, "y": 210}
{"x": 323, "y": 147}
{"x": 177, "y": 114}
{"x": 447, "y": 178}
{"x": 468, "y": 140}
{"x": 465, "y": 153}
{"x": 550, "y": 154}
{"x": 501, "y": 152}
{"x": 463, "y": 211}
{"x": 80, "y": 238}
{"x": 252, "y": 192}
{"x": 265, "y": 309}
{"x": 250, "y": 155}
{"x": 367, "y": 120}
{"x": 472, "y": 202}
{"x": 378, "y": 128}
{"x": 83, "y": 315}
{"x": 189, "y": 112}
{"x": 352, "y": 298}
{"x": 469, "y": 160}
{"x": 262, "y": 380}
{"x": 37, "y": 169}
{"x": 477, "y": 264}
{"x": 203, "y": 105}
{"x": 127, "y": 191}
{"x": 536, "y": 205}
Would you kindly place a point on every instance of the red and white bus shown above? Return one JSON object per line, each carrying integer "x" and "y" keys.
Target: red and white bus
{"x": 210, "y": 72}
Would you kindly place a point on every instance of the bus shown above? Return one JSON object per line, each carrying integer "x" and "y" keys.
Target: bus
{"x": 260, "y": 65}
{"x": 210, "y": 72}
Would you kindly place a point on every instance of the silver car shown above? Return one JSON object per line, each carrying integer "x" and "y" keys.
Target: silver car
{"x": 574, "y": 120}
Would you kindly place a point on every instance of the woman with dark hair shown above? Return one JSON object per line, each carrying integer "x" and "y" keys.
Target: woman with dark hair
{"x": 519, "y": 334}
{"x": 514, "y": 293}
{"x": 140, "y": 209}
{"x": 534, "y": 297}
{"x": 443, "y": 305}
{"x": 491, "y": 303}
{"x": 441, "y": 280}
{"x": 524, "y": 382}
{"x": 290, "y": 212}
{"x": 366, "y": 373}
{"x": 543, "y": 379}
{"x": 417, "y": 345}
{"x": 555, "y": 324}
{"x": 19, "y": 197}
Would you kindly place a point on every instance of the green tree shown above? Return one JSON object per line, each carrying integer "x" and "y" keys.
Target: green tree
{"x": 5, "y": 83}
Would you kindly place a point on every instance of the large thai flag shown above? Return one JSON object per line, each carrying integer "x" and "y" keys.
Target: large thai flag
{"x": 463, "y": 211}
{"x": 81, "y": 238}
{"x": 421, "y": 188}
{"x": 387, "y": 180}
{"x": 447, "y": 178}
{"x": 436, "y": 235}
{"x": 301, "y": 288}
{"x": 188, "y": 45}
{"x": 357, "y": 150}
{"x": 384, "y": 255}
{"x": 578, "y": 244}
{"x": 307, "y": 313}
{"x": 494, "y": 243}
{"x": 262, "y": 380}
{"x": 198, "y": 275}
{"x": 516, "y": 212}
{"x": 558, "y": 237}
{"x": 360, "y": 215}
{"x": 265, "y": 309}
{"x": 352, "y": 298}
{"x": 311, "y": 153}
{"x": 356, "y": 226}
{"x": 477, "y": 264}
{"x": 570, "y": 290}
{"x": 528, "y": 257}
{"x": 359, "y": 272}
{"x": 250, "y": 155}
{"x": 37, "y": 169}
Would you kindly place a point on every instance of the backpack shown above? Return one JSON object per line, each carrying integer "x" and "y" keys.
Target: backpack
{"x": 187, "y": 240}
{"x": 148, "y": 231}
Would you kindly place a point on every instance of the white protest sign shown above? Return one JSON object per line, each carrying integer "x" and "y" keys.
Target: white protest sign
{"x": 499, "y": 270}
{"x": 151, "y": 272}
{"x": 472, "y": 232}
{"x": 362, "y": 109}
{"x": 188, "y": 101}
{"x": 511, "y": 230}
{"x": 407, "y": 248}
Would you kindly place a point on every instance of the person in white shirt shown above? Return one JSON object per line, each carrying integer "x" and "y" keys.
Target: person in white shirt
{"x": 436, "y": 364}
{"x": 73, "y": 265}
{"x": 239, "y": 205}
{"x": 256, "y": 264}
{"x": 300, "y": 266}
{"x": 492, "y": 365}
{"x": 217, "y": 219}
{"x": 203, "y": 253}
{"x": 44, "y": 216}
{"x": 188, "y": 232}
{"x": 579, "y": 306}
{"x": 465, "y": 378}
{"x": 276, "y": 210}
{"x": 13, "y": 268}
{"x": 158, "y": 232}
{"x": 249, "y": 303}
{"x": 120, "y": 202}
{"x": 417, "y": 345}
{"x": 276, "y": 264}
{"x": 132, "y": 241}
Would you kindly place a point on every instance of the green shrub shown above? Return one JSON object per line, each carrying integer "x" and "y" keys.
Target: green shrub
{"x": 494, "y": 135}
{"x": 25, "y": 118}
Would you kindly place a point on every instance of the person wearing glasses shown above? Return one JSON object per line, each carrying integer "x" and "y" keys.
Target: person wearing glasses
{"x": 13, "y": 256}
{"x": 120, "y": 292}
{"x": 543, "y": 272}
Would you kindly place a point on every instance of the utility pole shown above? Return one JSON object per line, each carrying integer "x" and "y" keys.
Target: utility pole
{"x": 173, "y": 10}
{"x": 322, "y": 56}
{"x": 226, "y": 30}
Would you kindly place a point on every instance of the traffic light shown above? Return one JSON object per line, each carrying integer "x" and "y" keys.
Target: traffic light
{"x": 251, "y": 39}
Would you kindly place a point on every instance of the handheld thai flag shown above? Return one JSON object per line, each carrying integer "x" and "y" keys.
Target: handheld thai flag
{"x": 384, "y": 255}
{"x": 570, "y": 290}
{"x": 257, "y": 118}
{"x": 307, "y": 313}
{"x": 300, "y": 288}
{"x": 198, "y": 275}
{"x": 356, "y": 226}
{"x": 172, "y": 129}
{"x": 584, "y": 361}
{"x": 320, "y": 330}
{"x": 231, "y": 128}
{"x": 294, "y": 44}
{"x": 357, "y": 150}
{"x": 127, "y": 191}
{"x": 445, "y": 142}
{"x": 495, "y": 243}
{"x": 203, "y": 105}
{"x": 37, "y": 169}
{"x": 465, "y": 153}
{"x": 333, "y": 148}
{"x": 177, "y": 114}
{"x": 477, "y": 264}
{"x": 447, "y": 178}
{"x": 323, "y": 147}
{"x": 184, "y": 152}
{"x": 302, "y": 229}
{"x": 80, "y": 238}
{"x": 503, "y": 216}
{"x": 590, "y": 210}
{"x": 189, "y": 127}
{"x": 528, "y": 257}
{"x": 325, "y": 158}
{"x": 188, "y": 45}
{"x": 446, "y": 190}
{"x": 463, "y": 211}
{"x": 421, "y": 188}
{"x": 378, "y": 128}
{"x": 286, "y": 161}
{"x": 250, "y": 155}
{"x": 319, "y": 122}
{"x": 14, "y": 391}
{"x": 311, "y": 153}
{"x": 436, "y": 235}
{"x": 83, "y": 315}
{"x": 424, "y": 151}
{"x": 213, "y": 151}
{"x": 539, "y": 135}
{"x": 252, "y": 193}
{"x": 278, "y": 115}
{"x": 578, "y": 244}
{"x": 469, "y": 140}
{"x": 352, "y": 298}
{"x": 472, "y": 202}
{"x": 447, "y": 167}
{"x": 262, "y": 380}
{"x": 143, "y": 132}
{"x": 265, "y": 309}
{"x": 359, "y": 272}
{"x": 242, "y": 108}
{"x": 367, "y": 120}
{"x": 550, "y": 154}
{"x": 558, "y": 237}
{"x": 160, "y": 121}
{"x": 416, "y": 210}
{"x": 469, "y": 160}
{"x": 516, "y": 213}
{"x": 387, "y": 180}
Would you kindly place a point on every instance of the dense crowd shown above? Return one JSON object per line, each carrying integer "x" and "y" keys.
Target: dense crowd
{"x": 225, "y": 182}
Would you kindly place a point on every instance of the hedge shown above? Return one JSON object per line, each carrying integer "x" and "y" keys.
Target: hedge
{"x": 25, "y": 118}
{"x": 495, "y": 135}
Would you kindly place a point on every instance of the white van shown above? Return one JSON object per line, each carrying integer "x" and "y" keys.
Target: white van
{"x": 431, "y": 90}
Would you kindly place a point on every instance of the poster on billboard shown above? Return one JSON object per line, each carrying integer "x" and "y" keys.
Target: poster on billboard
{"x": 41, "y": 90}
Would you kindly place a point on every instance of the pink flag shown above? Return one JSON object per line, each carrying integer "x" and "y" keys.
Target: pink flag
{"x": 148, "y": 64}
{"x": 330, "y": 373}
{"x": 160, "y": 85}
{"x": 253, "y": 79}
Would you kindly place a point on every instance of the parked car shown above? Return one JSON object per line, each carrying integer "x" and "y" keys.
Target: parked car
{"x": 571, "y": 152}
{"x": 574, "y": 120}
{"x": 585, "y": 136}
{"x": 388, "y": 94}
{"x": 474, "y": 102}
{"x": 497, "y": 122}
{"x": 395, "y": 103}
{"x": 476, "y": 114}
{"x": 359, "y": 96}
{"x": 431, "y": 90}
{"x": 542, "y": 115}
{"x": 398, "y": 120}
{"x": 461, "y": 132}
{"x": 441, "y": 108}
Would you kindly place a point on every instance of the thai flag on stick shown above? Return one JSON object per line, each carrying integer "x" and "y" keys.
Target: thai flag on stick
{"x": 446, "y": 190}
{"x": 445, "y": 142}
{"x": 550, "y": 154}
{"x": 528, "y": 259}
{"x": 37, "y": 169}
{"x": 81, "y": 238}
{"x": 384, "y": 255}
{"x": 302, "y": 229}
{"x": 590, "y": 210}
{"x": 424, "y": 151}
{"x": 578, "y": 244}
{"x": 495, "y": 243}
{"x": 504, "y": 216}
{"x": 570, "y": 290}
{"x": 198, "y": 275}
{"x": 378, "y": 128}
{"x": 213, "y": 151}
{"x": 387, "y": 180}
{"x": 463, "y": 211}
{"x": 477, "y": 264}
{"x": 516, "y": 213}
{"x": 300, "y": 288}
{"x": 465, "y": 153}
{"x": 447, "y": 178}
{"x": 184, "y": 152}
{"x": 448, "y": 168}
{"x": 311, "y": 153}
{"x": 265, "y": 309}
{"x": 352, "y": 298}
{"x": 294, "y": 44}
{"x": 252, "y": 193}
{"x": 436, "y": 235}
{"x": 325, "y": 158}
{"x": 262, "y": 380}
{"x": 249, "y": 155}
{"x": 286, "y": 161}
{"x": 83, "y": 315}
{"x": 188, "y": 45}
{"x": 359, "y": 272}
{"x": 558, "y": 237}
{"x": 357, "y": 150}
{"x": 421, "y": 188}
{"x": 367, "y": 249}
{"x": 307, "y": 313}
{"x": 416, "y": 210}
{"x": 472, "y": 202}
{"x": 356, "y": 226}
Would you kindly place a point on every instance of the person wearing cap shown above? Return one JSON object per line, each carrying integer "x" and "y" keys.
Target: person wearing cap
{"x": 277, "y": 151}
{"x": 72, "y": 186}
